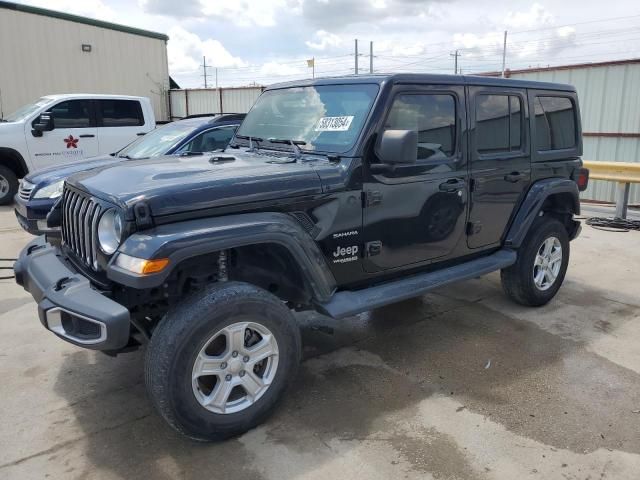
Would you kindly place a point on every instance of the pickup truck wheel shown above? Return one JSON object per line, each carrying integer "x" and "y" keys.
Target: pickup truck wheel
{"x": 218, "y": 362}
{"x": 541, "y": 266}
{"x": 8, "y": 185}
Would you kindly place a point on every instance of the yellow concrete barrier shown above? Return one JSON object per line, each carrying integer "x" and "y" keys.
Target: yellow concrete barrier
{"x": 624, "y": 173}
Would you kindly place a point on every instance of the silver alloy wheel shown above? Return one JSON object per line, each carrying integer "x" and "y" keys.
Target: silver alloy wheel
{"x": 547, "y": 264}
{"x": 4, "y": 186}
{"x": 235, "y": 367}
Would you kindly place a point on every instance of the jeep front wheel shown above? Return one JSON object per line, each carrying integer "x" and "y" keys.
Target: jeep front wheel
{"x": 541, "y": 266}
{"x": 218, "y": 362}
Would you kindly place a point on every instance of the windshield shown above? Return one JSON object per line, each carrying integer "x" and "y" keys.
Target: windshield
{"x": 27, "y": 110}
{"x": 325, "y": 117}
{"x": 158, "y": 141}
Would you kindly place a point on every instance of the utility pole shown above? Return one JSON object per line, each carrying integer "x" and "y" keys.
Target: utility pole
{"x": 455, "y": 64}
{"x": 204, "y": 71}
{"x": 356, "y": 58}
{"x": 504, "y": 53}
{"x": 370, "y": 57}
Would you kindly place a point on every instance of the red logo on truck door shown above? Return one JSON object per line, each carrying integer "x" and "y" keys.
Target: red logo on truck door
{"x": 71, "y": 142}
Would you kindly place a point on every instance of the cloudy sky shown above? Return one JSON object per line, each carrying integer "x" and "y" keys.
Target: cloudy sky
{"x": 266, "y": 41}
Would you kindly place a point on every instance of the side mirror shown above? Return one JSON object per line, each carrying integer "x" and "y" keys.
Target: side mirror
{"x": 398, "y": 146}
{"x": 44, "y": 123}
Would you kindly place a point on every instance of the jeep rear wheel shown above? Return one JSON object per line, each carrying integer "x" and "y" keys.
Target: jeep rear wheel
{"x": 8, "y": 185}
{"x": 541, "y": 266}
{"x": 218, "y": 362}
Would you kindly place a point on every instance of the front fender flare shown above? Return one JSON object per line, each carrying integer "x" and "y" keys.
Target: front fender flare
{"x": 532, "y": 204}
{"x": 191, "y": 238}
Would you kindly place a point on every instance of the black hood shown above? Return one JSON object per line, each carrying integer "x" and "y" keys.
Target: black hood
{"x": 172, "y": 184}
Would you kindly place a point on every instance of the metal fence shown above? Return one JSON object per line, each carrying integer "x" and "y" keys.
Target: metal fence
{"x": 183, "y": 103}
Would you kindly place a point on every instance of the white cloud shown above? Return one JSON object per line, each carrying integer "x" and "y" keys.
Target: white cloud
{"x": 536, "y": 16}
{"x": 324, "y": 40}
{"x": 185, "y": 51}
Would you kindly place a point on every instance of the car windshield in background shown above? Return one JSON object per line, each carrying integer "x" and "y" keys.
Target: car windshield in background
{"x": 26, "y": 111}
{"x": 325, "y": 117}
{"x": 158, "y": 141}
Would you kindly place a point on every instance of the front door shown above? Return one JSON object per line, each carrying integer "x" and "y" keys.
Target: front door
{"x": 73, "y": 138}
{"x": 500, "y": 161}
{"x": 415, "y": 213}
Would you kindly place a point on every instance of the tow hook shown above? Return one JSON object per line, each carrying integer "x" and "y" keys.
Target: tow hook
{"x": 60, "y": 284}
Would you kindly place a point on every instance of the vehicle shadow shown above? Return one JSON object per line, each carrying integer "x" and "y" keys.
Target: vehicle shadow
{"x": 536, "y": 384}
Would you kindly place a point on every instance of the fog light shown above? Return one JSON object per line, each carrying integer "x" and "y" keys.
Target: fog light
{"x": 141, "y": 266}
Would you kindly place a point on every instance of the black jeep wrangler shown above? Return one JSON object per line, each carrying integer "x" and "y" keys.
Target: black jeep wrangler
{"x": 338, "y": 195}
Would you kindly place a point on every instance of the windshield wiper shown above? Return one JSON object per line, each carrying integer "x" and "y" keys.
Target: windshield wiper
{"x": 294, "y": 144}
{"x": 251, "y": 140}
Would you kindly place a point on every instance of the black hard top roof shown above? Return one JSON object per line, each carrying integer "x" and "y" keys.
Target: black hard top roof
{"x": 427, "y": 78}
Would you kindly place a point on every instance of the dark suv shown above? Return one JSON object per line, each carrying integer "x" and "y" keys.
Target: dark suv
{"x": 337, "y": 195}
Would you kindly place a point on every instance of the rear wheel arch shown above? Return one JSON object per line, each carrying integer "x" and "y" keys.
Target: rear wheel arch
{"x": 13, "y": 160}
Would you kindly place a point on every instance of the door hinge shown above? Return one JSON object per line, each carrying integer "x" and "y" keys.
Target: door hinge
{"x": 371, "y": 197}
{"x": 373, "y": 248}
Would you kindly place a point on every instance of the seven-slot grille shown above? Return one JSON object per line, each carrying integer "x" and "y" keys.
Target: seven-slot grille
{"x": 26, "y": 189}
{"x": 80, "y": 215}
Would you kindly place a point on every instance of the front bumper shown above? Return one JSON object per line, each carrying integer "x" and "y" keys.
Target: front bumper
{"x": 32, "y": 215}
{"x": 68, "y": 305}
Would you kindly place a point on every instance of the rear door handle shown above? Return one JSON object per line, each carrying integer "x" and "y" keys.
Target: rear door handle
{"x": 452, "y": 185}
{"x": 140, "y": 134}
{"x": 514, "y": 177}
{"x": 87, "y": 135}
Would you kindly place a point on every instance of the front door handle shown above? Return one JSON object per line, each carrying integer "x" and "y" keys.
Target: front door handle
{"x": 140, "y": 134}
{"x": 87, "y": 135}
{"x": 514, "y": 177}
{"x": 452, "y": 185}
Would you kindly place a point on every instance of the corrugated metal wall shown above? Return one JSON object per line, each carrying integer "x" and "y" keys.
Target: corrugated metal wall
{"x": 609, "y": 104}
{"x": 199, "y": 100}
{"x": 41, "y": 55}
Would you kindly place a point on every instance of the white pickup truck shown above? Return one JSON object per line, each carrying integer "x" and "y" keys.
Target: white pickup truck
{"x": 60, "y": 129}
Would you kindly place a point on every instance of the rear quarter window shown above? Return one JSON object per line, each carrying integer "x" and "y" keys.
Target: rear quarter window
{"x": 120, "y": 113}
{"x": 555, "y": 119}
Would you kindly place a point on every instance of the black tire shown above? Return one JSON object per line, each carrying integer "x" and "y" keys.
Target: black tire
{"x": 518, "y": 280}
{"x": 185, "y": 330}
{"x": 7, "y": 194}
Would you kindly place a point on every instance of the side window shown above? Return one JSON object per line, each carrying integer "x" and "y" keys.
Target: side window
{"x": 72, "y": 114}
{"x": 214, "y": 139}
{"x": 555, "y": 123}
{"x": 433, "y": 116}
{"x": 498, "y": 123}
{"x": 121, "y": 113}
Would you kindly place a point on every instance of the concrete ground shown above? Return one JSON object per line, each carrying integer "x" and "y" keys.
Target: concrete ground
{"x": 458, "y": 384}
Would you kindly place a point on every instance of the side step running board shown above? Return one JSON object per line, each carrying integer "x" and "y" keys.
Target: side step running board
{"x": 344, "y": 304}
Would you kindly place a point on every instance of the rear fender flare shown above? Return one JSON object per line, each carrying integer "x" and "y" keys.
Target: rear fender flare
{"x": 182, "y": 240}
{"x": 532, "y": 205}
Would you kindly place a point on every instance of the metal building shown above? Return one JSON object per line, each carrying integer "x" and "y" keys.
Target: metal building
{"x": 195, "y": 101}
{"x": 46, "y": 52}
{"x": 610, "y": 110}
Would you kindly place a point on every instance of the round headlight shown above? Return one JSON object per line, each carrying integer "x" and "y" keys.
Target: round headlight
{"x": 109, "y": 231}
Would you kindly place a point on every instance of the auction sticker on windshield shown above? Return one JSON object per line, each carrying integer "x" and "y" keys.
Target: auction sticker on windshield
{"x": 334, "y": 124}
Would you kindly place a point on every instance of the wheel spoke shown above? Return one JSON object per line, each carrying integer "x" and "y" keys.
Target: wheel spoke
{"x": 548, "y": 245}
{"x": 206, "y": 365}
{"x": 551, "y": 277}
{"x": 220, "y": 395}
{"x": 252, "y": 384}
{"x": 539, "y": 277}
{"x": 263, "y": 349}
{"x": 555, "y": 256}
{"x": 235, "y": 337}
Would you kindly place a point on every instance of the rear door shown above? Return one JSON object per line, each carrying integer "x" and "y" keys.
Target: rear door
{"x": 500, "y": 161}
{"x": 73, "y": 138}
{"x": 120, "y": 122}
{"x": 414, "y": 213}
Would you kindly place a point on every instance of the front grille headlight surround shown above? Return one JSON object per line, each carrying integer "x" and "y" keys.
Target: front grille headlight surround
{"x": 110, "y": 229}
